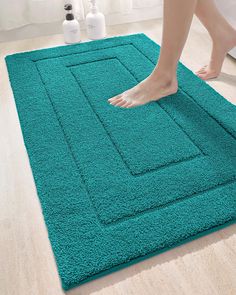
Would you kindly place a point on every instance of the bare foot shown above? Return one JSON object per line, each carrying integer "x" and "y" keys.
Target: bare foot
{"x": 152, "y": 88}
{"x": 220, "y": 48}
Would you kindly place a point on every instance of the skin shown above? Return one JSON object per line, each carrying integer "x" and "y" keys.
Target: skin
{"x": 177, "y": 20}
{"x": 223, "y": 37}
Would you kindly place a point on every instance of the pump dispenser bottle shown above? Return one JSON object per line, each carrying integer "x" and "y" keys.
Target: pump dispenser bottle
{"x": 71, "y": 27}
{"x": 95, "y": 23}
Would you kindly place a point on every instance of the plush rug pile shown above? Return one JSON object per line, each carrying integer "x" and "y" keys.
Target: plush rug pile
{"x": 119, "y": 185}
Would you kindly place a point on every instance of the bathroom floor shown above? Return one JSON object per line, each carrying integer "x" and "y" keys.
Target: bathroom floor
{"x": 204, "y": 266}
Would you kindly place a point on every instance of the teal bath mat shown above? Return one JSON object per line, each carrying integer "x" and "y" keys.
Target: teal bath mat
{"x": 119, "y": 185}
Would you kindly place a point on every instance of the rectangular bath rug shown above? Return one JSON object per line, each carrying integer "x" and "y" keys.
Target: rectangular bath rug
{"x": 119, "y": 185}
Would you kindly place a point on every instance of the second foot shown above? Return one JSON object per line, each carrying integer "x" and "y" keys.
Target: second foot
{"x": 207, "y": 73}
{"x": 220, "y": 48}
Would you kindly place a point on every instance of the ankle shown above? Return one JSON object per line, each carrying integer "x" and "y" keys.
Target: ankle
{"x": 167, "y": 77}
{"x": 165, "y": 81}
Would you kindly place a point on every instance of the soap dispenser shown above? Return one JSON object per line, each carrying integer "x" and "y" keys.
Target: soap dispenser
{"x": 95, "y": 23}
{"x": 71, "y": 27}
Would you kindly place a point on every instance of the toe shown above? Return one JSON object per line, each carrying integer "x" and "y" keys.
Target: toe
{"x": 127, "y": 104}
{"x": 201, "y": 71}
{"x": 122, "y": 103}
{"x": 131, "y": 105}
{"x": 202, "y": 76}
{"x": 135, "y": 104}
{"x": 115, "y": 102}
{"x": 114, "y": 98}
{"x": 207, "y": 75}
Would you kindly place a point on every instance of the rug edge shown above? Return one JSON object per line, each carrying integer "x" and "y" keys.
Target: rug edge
{"x": 67, "y": 287}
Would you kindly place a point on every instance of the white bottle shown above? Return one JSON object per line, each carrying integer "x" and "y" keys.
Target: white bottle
{"x": 71, "y": 27}
{"x": 95, "y": 23}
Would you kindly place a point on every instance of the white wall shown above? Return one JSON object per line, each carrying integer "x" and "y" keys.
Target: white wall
{"x": 228, "y": 9}
{"x": 22, "y": 19}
